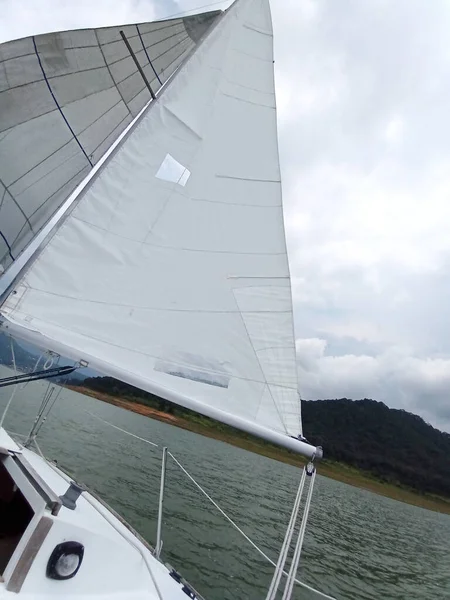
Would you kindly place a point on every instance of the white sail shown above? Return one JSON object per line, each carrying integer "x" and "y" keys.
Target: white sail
{"x": 171, "y": 271}
{"x": 64, "y": 98}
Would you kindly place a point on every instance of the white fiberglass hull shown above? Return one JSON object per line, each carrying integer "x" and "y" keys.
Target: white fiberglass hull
{"x": 115, "y": 563}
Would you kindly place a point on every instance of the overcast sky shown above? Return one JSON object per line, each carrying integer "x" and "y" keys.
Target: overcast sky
{"x": 363, "y": 92}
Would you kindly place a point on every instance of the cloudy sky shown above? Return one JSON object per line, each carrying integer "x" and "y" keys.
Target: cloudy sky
{"x": 363, "y": 90}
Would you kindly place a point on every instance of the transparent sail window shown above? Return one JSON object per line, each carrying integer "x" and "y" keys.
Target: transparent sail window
{"x": 171, "y": 170}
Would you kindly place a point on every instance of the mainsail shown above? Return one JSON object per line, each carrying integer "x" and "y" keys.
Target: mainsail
{"x": 64, "y": 98}
{"x": 170, "y": 272}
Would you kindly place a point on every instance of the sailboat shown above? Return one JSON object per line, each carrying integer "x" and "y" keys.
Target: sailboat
{"x": 142, "y": 229}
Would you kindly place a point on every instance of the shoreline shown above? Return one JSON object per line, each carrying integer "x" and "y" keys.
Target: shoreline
{"x": 333, "y": 470}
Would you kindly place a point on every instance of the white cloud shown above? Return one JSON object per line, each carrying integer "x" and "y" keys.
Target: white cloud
{"x": 20, "y": 18}
{"x": 366, "y": 167}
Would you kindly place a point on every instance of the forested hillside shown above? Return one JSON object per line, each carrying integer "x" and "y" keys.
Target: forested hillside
{"x": 394, "y": 445}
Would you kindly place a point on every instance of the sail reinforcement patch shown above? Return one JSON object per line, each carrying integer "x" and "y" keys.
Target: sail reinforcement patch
{"x": 171, "y": 170}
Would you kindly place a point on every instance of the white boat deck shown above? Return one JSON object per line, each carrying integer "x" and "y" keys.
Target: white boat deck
{"x": 116, "y": 563}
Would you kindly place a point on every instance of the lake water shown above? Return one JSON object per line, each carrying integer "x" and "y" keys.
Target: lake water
{"x": 357, "y": 545}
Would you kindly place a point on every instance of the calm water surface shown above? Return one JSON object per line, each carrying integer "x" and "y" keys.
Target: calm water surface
{"x": 357, "y": 546}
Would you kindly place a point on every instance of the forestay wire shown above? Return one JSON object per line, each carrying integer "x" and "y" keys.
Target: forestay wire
{"x": 291, "y": 575}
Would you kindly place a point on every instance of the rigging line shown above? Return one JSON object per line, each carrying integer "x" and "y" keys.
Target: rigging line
{"x": 122, "y": 430}
{"x": 57, "y": 103}
{"x": 305, "y": 585}
{"x": 13, "y": 393}
{"x": 146, "y": 54}
{"x": 275, "y": 583}
{"x": 263, "y": 554}
{"x": 298, "y": 547}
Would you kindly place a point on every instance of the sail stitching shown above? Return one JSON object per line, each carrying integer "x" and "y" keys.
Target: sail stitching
{"x": 57, "y": 103}
{"x": 181, "y": 248}
{"x": 49, "y": 198}
{"x": 41, "y": 163}
{"x": 157, "y": 308}
{"x": 235, "y": 203}
{"x": 248, "y": 101}
{"x": 47, "y": 112}
{"x": 63, "y": 146}
{"x": 187, "y": 38}
{"x": 3, "y": 196}
{"x": 267, "y": 60}
{"x": 111, "y": 133}
{"x": 17, "y": 204}
{"x": 146, "y": 54}
{"x": 241, "y": 313}
{"x": 13, "y": 311}
{"x": 110, "y": 74}
{"x": 253, "y": 28}
{"x": 248, "y": 178}
{"x": 183, "y": 52}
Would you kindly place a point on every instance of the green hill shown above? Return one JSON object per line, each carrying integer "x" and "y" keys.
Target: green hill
{"x": 394, "y": 445}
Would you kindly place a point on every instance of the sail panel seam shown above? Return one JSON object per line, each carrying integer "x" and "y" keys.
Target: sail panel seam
{"x": 235, "y": 203}
{"x": 47, "y": 112}
{"x": 146, "y": 54}
{"x": 223, "y": 176}
{"x": 63, "y": 146}
{"x": 17, "y": 204}
{"x": 115, "y": 62}
{"x": 110, "y": 133}
{"x": 158, "y": 308}
{"x": 110, "y": 343}
{"x": 60, "y": 188}
{"x": 241, "y": 314}
{"x": 57, "y": 103}
{"x": 248, "y": 101}
{"x": 110, "y": 74}
{"x": 182, "y": 249}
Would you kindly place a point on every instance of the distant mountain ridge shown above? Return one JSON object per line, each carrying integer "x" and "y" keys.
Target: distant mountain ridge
{"x": 25, "y": 360}
{"x": 395, "y": 445}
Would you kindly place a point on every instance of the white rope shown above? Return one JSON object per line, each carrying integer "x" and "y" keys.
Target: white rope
{"x": 274, "y": 585}
{"x": 298, "y": 547}
{"x": 17, "y": 386}
{"x": 304, "y": 585}
{"x": 229, "y": 519}
{"x": 122, "y": 430}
